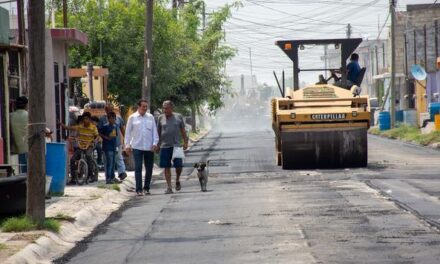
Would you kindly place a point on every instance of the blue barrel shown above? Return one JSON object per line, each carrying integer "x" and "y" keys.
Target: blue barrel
{"x": 384, "y": 120}
{"x": 56, "y": 162}
{"x": 399, "y": 116}
{"x": 410, "y": 117}
{"x": 434, "y": 109}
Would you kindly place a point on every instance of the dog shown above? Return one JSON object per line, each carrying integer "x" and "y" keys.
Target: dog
{"x": 202, "y": 174}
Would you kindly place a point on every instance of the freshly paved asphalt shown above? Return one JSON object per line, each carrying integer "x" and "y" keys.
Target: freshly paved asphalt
{"x": 254, "y": 212}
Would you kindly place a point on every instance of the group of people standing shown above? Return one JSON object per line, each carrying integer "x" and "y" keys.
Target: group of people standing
{"x": 109, "y": 129}
{"x": 144, "y": 136}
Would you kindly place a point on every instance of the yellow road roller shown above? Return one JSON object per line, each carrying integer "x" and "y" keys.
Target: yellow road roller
{"x": 321, "y": 125}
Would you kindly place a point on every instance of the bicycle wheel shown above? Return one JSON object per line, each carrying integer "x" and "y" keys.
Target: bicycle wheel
{"x": 94, "y": 172}
{"x": 81, "y": 174}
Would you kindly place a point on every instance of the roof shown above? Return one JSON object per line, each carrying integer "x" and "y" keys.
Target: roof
{"x": 70, "y": 35}
{"x": 97, "y": 72}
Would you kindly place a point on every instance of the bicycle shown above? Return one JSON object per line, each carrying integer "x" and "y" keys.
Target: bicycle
{"x": 84, "y": 174}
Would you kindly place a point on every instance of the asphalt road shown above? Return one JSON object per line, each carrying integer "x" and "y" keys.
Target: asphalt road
{"x": 256, "y": 213}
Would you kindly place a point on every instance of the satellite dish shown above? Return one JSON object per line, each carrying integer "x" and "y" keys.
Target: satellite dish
{"x": 418, "y": 72}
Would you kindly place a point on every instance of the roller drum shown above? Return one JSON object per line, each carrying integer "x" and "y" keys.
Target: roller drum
{"x": 311, "y": 149}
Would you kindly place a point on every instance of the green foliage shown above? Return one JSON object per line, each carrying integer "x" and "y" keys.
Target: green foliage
{"x": 409, "y": 133}
{"x": 18, "y": 224}
{"x": 114, "y": 186}
{"x": 188, "y": 62}
{"x": 51, "y": 225}
{"x": 22, "y": 224}
{"x": 64, "y": 217}
{"x": 3, "y": 246}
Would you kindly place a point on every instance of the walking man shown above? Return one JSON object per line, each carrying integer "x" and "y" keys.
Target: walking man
{"x": 119, "y": 159}
{"x": 141, "y": 138}
{"x": 171, "y": 129}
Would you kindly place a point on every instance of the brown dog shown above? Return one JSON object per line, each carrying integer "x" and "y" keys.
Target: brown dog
{"x": 202, "y": 174}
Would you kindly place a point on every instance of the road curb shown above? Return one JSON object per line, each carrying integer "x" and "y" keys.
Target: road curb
{"x": 432, "y": 147}
{"x": 51, "y": 245}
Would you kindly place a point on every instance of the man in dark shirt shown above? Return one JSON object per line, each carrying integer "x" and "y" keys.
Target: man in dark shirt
{"x": 353, "y": 70}
{"x": 120, "y": 126}
{"x": 109, "y": 133}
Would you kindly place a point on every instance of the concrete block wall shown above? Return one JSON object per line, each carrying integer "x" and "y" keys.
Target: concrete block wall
{"x": 414, "y": 20}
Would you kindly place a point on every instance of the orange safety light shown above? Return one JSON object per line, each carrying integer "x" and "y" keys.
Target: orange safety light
{"x": 288, "y": 46}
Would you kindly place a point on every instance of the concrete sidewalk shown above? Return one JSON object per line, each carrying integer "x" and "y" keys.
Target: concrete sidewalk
{"x": 80, "y": 210}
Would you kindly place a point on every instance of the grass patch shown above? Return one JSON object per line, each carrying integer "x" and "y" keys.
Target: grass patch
{"x": 64, "y": 217}
{"x": 23, "y": 224}
{"x": 114, "y": 186}
{"x": 18, "y": 224}
{"x": 3, "y": 246}
{"x": 51, "y": 225}
{"x": 195, "y": 135}
{"x": 409, "y": 133}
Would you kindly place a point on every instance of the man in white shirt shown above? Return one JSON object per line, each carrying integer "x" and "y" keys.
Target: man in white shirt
{"x": 141, "y": 138}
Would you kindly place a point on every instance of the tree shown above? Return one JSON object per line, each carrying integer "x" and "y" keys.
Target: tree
{"x": 187, "y": 64}
{"x": 35, "y": 199}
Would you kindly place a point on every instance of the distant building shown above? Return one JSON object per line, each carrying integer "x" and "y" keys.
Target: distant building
{"x": 243, "y": 84}
{"x": 13, "y": 76}
{"x": 417, "y": 42}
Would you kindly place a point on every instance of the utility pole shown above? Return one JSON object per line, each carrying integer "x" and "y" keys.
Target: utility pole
{"x": 325, "y": 60}
{"x": 100, "y": 41}
{"x": 349, "y": 31}
{"x": 65, "y": 13}
{"x": 22, "y": 41}
{"x": 36, "y": 178}
{"x": 204, "y": 15}
{"x": 252, "y": 74}
{"x": 146, "y": 92}
{"x": 393, "y": 62}
{"x": 90, "y": 80}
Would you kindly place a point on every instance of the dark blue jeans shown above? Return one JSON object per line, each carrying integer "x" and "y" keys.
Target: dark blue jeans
{"x": 109, "y": 165}
{"x": 22, "y": 160}
{"x": 99, "y": 151}
{"x": 146, "y": 158}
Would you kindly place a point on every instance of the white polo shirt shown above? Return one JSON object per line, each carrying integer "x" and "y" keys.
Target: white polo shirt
{"x": 141, "y": 132}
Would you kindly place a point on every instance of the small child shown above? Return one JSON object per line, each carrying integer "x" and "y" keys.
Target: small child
{"x": 109, "y": 133}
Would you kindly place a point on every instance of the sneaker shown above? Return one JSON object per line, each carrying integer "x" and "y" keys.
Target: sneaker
{"x": 169, "y": 191}
{"x": 116, "y": 180}
{"x": 178, "y": 186}
{"x": 122, "y": 176}
{"x": 139, "y": 194}
{"x": 147, "y": 192}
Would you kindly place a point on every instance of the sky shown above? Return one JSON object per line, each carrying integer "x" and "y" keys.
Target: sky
{"x": 253, "y": 29}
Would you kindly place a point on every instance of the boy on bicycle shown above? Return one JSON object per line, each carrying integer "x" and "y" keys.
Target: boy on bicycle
{"x": 87, "y": 135}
